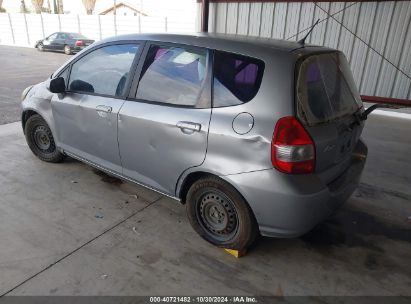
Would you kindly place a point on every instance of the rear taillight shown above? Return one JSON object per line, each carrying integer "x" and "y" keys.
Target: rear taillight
{"x": 292, "y": 149}
{"x": 79, "y": 43}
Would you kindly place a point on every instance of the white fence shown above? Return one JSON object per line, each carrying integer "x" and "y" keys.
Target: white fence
{"x": 26, "y": 29}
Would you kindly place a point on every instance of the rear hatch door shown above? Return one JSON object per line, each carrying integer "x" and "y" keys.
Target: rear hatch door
{"x": 327, "y": 100}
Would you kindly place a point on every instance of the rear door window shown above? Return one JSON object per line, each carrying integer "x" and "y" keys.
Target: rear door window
{"x": 237, "y": 78}
{"x": 326, "y": 89}
{"x": 174, "y": 75}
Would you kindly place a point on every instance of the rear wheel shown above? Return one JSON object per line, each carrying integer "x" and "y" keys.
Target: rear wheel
{"x": 41, "y": 141}
{"x": 67, "y": 50}
{"x": 220, "y": 215}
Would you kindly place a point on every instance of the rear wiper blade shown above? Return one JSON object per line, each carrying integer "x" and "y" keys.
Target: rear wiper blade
{"x": 367, "y": 112}
{"x": 360, "y": 116}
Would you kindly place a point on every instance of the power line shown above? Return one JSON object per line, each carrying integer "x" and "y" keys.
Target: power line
{"x": 341, "y": 10}
{"x": 359, "y": 38}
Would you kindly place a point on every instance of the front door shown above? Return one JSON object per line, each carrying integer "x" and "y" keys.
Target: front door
{"x": 48, "y": 43}
{"x": 86, "y": 116}
{"x": 163, "y": 127}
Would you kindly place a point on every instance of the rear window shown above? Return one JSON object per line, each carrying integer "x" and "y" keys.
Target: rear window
{"x": 237, "y": 78}
{"x": 77, "y": 36}
{"x": 326, "y": 89}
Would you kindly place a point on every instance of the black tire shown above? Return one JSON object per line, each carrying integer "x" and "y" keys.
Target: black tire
{"x": 40, "y": 47}
{"x": 67, "y": 50}
{"x": 41, "y": 140}
{"x": 220, "y": 215}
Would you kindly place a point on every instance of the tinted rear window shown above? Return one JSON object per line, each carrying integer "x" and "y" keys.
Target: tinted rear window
{"x": 77, "y": 36}
{"x": 326, "y": 89}
{"x": 237, "y": 78}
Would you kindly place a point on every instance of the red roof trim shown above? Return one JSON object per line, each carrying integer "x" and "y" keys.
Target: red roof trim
{"x": 377, "y": 99}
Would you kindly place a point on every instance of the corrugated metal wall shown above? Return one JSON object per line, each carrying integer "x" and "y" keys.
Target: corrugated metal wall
{"x": 375, "y": 36}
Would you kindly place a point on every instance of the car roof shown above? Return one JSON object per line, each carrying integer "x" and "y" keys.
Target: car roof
{"x": 265, "y": 49}
{"x": 69, "y": 33}
{"x": 216, "y": 41}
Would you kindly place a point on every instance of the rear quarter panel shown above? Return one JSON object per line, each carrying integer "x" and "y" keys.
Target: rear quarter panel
{"x": 229, "y": 152}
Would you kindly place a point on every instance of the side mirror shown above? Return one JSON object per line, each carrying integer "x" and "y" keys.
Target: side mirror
{"x": 57, "y": 85}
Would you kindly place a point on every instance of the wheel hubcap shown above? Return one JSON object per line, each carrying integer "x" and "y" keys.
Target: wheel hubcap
{"x": 218, "y": 215}
{"x": 41, "y": 138}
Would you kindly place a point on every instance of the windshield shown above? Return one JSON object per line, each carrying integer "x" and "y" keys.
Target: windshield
{"x": 326, "y": 89}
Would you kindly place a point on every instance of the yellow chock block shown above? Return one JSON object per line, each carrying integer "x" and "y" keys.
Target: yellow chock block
{"x": 236, "y": 253}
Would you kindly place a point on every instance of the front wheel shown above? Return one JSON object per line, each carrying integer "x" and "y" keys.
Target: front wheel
{"x": 40, "y": 47}
{"x": 67, "y": 50}
{"x": 220, "y": 215}
{"x": 41, "y": 141}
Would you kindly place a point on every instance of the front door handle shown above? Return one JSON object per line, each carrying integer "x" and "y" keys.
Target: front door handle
{"x": 188, "y": 127}
{"x": 103, "y": 110}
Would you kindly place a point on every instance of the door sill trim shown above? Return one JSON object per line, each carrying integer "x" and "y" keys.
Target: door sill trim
{"x": 92, "y": 164}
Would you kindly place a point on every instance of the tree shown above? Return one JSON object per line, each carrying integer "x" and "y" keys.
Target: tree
{"x": 38, "y": 5}
{"x": 89, "y": 6}
{"x": 23, "y": 8}
{"x": 60, "y": 6}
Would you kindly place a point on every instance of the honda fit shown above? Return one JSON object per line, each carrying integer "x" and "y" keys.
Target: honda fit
{"x": 255, "y": 136}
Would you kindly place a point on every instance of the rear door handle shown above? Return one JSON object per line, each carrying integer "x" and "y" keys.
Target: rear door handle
{"x": 188, "y": 127}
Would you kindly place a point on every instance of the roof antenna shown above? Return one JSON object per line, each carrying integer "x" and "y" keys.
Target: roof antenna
{"x": 302, "y": 41}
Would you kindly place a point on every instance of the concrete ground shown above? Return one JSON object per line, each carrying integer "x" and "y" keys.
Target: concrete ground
{"x": 19, "y": 68}
{"x": 67, "y": 229}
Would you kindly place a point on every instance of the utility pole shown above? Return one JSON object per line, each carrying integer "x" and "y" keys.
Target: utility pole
{"x": 60, "y": 7}
{"x": 55, "y": 7}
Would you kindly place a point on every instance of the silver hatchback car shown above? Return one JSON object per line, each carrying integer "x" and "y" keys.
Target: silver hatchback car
{"x": 255, "y": 136}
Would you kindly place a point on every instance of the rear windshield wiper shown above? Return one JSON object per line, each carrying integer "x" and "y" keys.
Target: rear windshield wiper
{"x": 367, "y": 112}
{"x": 360, "y": 116}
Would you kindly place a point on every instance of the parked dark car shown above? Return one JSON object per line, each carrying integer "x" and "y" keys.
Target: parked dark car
{"x": 60, "y": 41}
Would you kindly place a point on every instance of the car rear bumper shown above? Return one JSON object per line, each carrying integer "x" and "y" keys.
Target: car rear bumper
{"x": 291, "y": 205}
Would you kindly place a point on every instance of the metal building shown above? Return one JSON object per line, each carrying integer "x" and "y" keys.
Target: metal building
{"x": 375, "y": 36}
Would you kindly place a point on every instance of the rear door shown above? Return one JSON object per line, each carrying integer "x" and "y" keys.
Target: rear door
{"x": 327, "y": 99}
{"x": 163, "y": 127}
{"x": 59, "y": 42}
